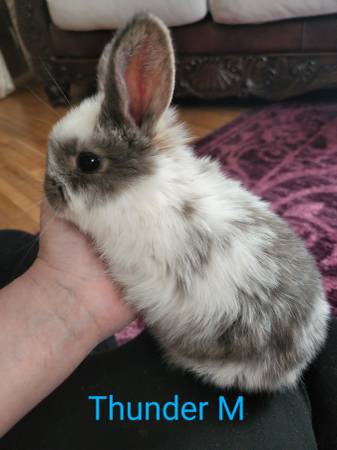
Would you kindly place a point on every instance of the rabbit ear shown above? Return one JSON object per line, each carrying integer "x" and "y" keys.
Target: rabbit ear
{"x": 102, "y": 66}
{"x": 139, "y": 74}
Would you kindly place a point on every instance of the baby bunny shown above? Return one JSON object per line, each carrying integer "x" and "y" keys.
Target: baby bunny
{"x": 225, "y": 286}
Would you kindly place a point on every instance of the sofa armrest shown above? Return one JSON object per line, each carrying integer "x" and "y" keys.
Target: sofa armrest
{"x": 33, "y": 23}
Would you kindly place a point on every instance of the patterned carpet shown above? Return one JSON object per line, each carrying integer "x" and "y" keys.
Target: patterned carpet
{"x": 287, "y": 154}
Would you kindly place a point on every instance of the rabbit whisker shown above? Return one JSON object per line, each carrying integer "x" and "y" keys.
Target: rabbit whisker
{"x": 56, "y": 83}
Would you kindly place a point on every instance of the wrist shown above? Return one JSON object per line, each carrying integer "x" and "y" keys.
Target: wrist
{"x": 47, "y": 287}
{"x": 45, "y": 334}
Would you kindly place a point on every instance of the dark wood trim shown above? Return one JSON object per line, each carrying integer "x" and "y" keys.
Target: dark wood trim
{"x": 9, "y": 46}
{"x": 33, "y": 22}
{"x": 272, "y": 76}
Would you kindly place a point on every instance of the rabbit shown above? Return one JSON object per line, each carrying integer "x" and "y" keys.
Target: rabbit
{"x": 223, "y": 284}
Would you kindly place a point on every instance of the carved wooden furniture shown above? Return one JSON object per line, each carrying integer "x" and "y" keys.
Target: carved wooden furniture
{"x": 271, "y": 61}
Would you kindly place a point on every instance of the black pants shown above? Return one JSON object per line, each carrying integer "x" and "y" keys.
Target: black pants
{"x": 136, "y": 373}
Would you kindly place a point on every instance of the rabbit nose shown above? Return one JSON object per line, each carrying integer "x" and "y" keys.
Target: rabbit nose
{"x": 57, "y": 186}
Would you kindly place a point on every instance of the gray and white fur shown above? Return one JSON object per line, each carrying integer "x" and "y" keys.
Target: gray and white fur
{"x": 226, "y": 287}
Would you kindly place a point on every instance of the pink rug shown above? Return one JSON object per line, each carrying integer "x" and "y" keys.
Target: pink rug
{"x": 287, "y": 154}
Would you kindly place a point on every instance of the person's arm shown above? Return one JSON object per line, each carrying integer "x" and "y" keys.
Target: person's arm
{"x": 51, "y": 317}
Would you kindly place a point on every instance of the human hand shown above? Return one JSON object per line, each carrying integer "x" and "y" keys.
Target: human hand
{"x": 67, "y": 260}
{"x": 52, "y": 316}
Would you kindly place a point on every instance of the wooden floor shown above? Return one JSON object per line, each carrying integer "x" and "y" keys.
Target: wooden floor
{"x": 25, "y": 121}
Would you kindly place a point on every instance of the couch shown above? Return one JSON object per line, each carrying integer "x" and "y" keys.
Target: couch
{"x": 271, "y": 49}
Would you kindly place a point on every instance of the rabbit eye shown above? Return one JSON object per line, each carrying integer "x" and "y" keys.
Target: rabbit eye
{"x": 88, "y": 162}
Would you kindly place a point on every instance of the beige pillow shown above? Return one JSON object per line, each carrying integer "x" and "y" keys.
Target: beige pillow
{"x": 257, "y": 11}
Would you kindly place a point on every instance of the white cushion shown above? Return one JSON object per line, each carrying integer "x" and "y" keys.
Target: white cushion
{"x": 84, "y": 15}
{"x": 257, "y": 11}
